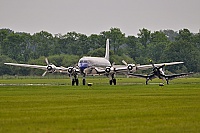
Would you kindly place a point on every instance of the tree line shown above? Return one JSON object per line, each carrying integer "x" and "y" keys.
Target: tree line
{"x": 65, "y": 50}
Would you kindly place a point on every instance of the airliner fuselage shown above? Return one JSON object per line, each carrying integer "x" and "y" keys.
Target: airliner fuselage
{"x": 86, "y": 62}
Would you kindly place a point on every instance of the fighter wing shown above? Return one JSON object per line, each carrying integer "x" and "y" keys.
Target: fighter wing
{"x": 176, "y": 75}
{"x": 145, "y": 67}
{"x": 150, "y": 76}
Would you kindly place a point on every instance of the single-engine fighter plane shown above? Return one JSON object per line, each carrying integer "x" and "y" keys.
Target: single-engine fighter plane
{"x": 157, "y": 71}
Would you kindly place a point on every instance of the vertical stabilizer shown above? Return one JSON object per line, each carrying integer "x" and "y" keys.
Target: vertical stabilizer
{"x": 107, "y": 49}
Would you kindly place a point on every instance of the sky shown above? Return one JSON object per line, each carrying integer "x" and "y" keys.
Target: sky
{"x": 95, "y": 16}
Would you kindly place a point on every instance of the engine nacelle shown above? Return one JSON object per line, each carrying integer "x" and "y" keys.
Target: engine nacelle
{"x": 131, "y": 67}
{"x": 51, "y": 68}
{"x": 70, "y": 70}
{"x": 108, "y": 69}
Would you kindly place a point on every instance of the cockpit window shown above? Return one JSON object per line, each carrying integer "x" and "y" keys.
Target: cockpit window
{"x": 84, "y": 61}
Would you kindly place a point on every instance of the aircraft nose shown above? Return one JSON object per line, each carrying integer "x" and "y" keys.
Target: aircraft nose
{"x": 82, "y": 66}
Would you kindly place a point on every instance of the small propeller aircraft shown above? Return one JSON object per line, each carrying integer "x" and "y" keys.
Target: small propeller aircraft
{"x": 157, "y": 71}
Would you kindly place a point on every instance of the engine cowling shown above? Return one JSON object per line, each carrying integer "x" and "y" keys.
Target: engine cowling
{"x": 108, "y": 69}
{"x": 51, "y": 68}
{"x": 70, "y": 70}
{"x": 130, "y": 67}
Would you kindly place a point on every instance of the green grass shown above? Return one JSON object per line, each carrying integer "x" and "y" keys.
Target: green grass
{"x": 130, "y": 106}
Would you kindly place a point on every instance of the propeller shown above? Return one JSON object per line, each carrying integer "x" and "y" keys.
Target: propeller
{"x": 110, "y": 69}
{"x": 44, "y": 74}
{"x": 152, "y": 63}
{"x": 46, "y": 60}
{"x": 124, "y": 62}
{"x": 49, "y": 68}
{"x": 129, "y": 66}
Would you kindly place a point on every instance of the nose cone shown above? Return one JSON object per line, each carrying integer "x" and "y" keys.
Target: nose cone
{"x": 82, "y": 66}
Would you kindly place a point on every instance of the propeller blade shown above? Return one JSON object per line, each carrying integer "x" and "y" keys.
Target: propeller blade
{"x": 123, "y": 61}
{"x": 44, "y": 74}
{"x": 113, "y": 63}
{"x": 46, "y": 60}
{"x": 161, "y": 66}
{"x": 152, "y": 63}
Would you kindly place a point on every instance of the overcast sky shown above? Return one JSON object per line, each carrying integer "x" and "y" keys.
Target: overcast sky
{"x": 94, "y": 16}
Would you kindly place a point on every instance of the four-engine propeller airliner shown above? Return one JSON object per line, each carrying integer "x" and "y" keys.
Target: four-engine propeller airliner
{"x": 92, "y": 65}
{"x": 157, "y": 71}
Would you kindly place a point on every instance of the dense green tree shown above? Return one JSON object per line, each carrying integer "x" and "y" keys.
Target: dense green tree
{"x": 43, "y": 44}
{"x": 171, "y": 35}
{"x": 144, "y": 36}
{"x": 117, "y": 38}
{"x": 157, "y": 46}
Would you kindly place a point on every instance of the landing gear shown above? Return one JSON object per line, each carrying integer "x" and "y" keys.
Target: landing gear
{"x": 147, "y": 81}
{"x": 113, "y": 80}
{"x": 84, "y": 81}
{"x": 75, "y": 80}
{"x": 167, "y": 81}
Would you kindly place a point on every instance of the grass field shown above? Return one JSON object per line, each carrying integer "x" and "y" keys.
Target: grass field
{"x": 53, "y": 105}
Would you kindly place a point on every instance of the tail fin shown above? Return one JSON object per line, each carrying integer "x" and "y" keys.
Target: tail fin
{"x": 107, "y": 49}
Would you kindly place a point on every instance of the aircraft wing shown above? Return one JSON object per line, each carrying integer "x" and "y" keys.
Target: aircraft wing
{"x": 176, "y": 75}
{"x": 120, "y": 68}
{"x": 145, "y": 67}
{"x": 99, "y": 70}
{"x": 115, "y": 68}
{"x": 151, "y": 76}
{"x": 36, "y": 66}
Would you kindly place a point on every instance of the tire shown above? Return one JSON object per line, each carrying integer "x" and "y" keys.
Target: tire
{"x": 77, "y": 82}
{"x": 73, "y": 82}
{"x": 110, "y": 82}
{"x": 84, "y": 81}
{"x": 114, "y": 81}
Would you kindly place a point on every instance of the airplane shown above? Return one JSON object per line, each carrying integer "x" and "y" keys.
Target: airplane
{"x": 91, "y": 65}
{"x": 99, "y": 65}
{"x": 157, "y": 71}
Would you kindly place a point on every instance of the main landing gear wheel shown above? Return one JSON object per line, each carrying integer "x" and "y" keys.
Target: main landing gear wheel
{"x": 84, "y": 81}
{"x": 75, "y": 81}
{"x": 113, "y": 81}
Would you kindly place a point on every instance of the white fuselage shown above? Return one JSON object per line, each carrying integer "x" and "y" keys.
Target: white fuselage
{"x": 86, "y": 62}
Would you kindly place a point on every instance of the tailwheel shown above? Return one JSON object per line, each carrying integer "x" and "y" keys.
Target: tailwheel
{"x": 146, "y": 83}
{"x": 167, "y": 81}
